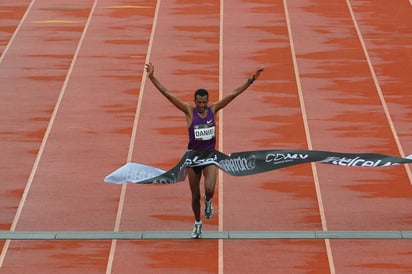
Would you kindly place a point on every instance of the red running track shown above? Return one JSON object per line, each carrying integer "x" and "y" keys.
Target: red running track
{"x": 75, "y": 106}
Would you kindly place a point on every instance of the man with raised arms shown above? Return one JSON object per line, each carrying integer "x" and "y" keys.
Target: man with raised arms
{"x": 202, "y": 140}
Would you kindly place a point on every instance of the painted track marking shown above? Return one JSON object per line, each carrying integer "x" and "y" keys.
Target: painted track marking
{"x": 23, "y": 19}
{"x": 46, "y": 136}
{"x": 132, "y": 142}
{"x": 220, "y": 268}
{"x": 127, "y": 7}
{"x": 55, "y": 21}
{"x": 379, "y": 90}
{"x": 309, "y": 140}
{"x": 221, "y": 235}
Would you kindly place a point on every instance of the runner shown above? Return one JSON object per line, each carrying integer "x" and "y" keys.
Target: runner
{"x": 202, "y": 139}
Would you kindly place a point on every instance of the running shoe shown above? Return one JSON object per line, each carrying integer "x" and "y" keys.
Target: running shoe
{"x": 197, "y": 231}
{"x": 208, "y": 208}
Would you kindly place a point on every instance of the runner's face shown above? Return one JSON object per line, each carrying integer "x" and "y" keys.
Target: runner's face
{"x": 201, "y": 103}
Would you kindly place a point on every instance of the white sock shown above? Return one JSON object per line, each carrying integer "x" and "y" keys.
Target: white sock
{"x": 198, "y": 223}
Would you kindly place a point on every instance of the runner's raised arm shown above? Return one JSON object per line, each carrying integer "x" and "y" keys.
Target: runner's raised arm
{"x": 236, "y": 92}
{"x": 172, "y": 98}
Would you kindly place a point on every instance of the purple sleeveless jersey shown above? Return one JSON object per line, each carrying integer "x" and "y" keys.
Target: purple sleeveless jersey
{"x": 202, "y": 132}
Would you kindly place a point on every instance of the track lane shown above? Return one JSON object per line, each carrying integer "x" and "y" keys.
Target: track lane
{"x": 388, "y": 45}
{"x": 185, "y": 53}
{"x": 13, "y": 15}
{"x": 380, "y": 93}
{"x": 94, "y": 124}
{"x": 285, "y": 199}
{"x": 346, "y": 113}
{"x": 43, "y": 69}
{"x": 22, "y": 133}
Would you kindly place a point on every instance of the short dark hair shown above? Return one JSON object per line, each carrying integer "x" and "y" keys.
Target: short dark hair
{"x": 201, "y": 92}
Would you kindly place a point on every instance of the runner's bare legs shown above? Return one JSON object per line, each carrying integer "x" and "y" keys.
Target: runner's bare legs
{"x": 210, "y": 181}
{"x": 194, "y": 182}
{"x": 209, "y": 173}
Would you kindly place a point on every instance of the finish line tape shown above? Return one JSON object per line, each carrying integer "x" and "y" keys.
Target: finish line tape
{"x": 248, "y": 163}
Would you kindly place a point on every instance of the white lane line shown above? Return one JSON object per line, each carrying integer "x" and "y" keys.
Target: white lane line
{"x": 309, "y": 141}
{"x": 132, "y": 141}
{"x": 379, "y": 91}
{"x": 220, "y": 177}
{"x": 23, "y": 19}
{"x": 46, "y": 136}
